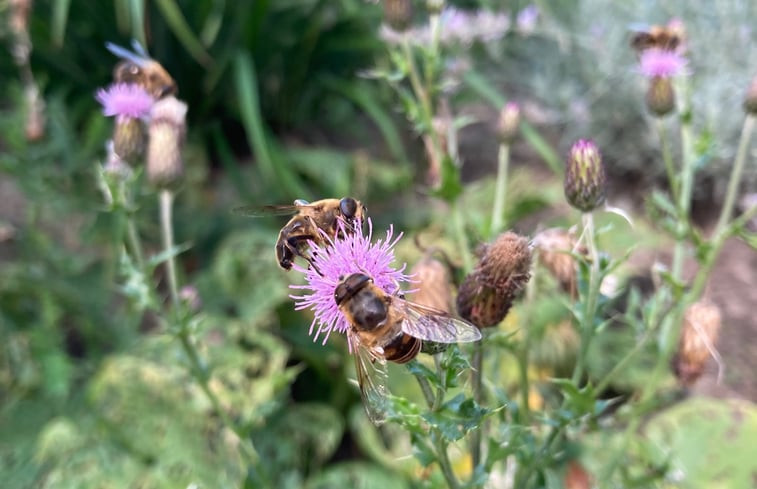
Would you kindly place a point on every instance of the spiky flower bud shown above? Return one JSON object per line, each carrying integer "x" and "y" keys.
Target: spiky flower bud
{"x": 398, "y": 14}
{"x": 750, "y": 101}
{"x": 661, "y": 97}
{"x": 701, "y": 325}
{"x": 433, "y": 289}
{"x": 165, "y": 166}
{"x": 585, "y": 177}
{"x": 129, "y": 138}
{"x": 509, "y": 121}
{"x": 554, "y": 247}
{"x": 488, "y": 292}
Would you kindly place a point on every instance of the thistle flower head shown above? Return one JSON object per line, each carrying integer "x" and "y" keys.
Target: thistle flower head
{"x": 699, "y": 334}
{"x": 526, "y": 18}
{"x": 750, "y": 101}
{"x": 662, "y": 63}
{"x": 585, "y": 176}
{"x": 660, "y": 98}
{"x": 339, "y": 258}
{"x": 398, "y": 14}
{"x": 508, "y": 123}
{"x": 488, "y": 292}
{"x": 125, "y": 101}
{"x": 165, "y": 166}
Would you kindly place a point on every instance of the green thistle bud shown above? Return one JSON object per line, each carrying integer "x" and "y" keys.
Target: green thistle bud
{"x": 165, "y": 166}
{"x": 129, "y": 139}
{"x": 750, "y": 101}
{"x": 434, "y": 6}
{"x": 585, "y": 177}
{"x": 509, "y": 121}
{"x": 661, "y": 98}
{"x": 488, "y": 292}
{"x": 398, "y": 14}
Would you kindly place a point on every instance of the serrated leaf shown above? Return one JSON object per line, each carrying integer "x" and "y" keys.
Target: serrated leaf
{"x": 450, "y": 186}
{"x": 457, "y": 417}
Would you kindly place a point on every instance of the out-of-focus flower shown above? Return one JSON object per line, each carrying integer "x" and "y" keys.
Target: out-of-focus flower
{"x": 191, "y": 297}
{"x": 701, "y": 325}
{"x": 125, "y": 101}
{"x": 585, "y": 176}
{"x": 165, "y": 166}
{"x": 455, "y": 27}
{"x": 508, "y": 123}
{"x": 750, "y": 101}
{"x": 434, "y": 289}
{"x": 662, "y": 63}
{"x": 338, "y": 258}
{"x": 398, "y": 14}
{"x": 488, "y": 292}
{"x": 554, "y": 247}
{"x": 526, "y": 19}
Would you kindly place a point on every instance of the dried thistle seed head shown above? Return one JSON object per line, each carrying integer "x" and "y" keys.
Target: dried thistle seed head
{"x": 433, "y": 285}
{"x": 398, "y": 14}
{"x": 488, "y": 292}
{"x": 433, "y": 289}
{"x": 165, "y": 166}
{"x": 434, "y": 6}
{"x": 661, "y": 97}
{"x": 750, "y": 101}
{"x": 585, "y": 179}
{"x": 554, "y": 247}
{"x": 699, "y": 334}
{"x": 509, "y": 121}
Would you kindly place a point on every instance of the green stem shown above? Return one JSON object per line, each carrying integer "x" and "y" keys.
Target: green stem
{"x": 134, "y": 242}
{"x": 525, "y": 412}
{"x": 428, "y": 394}
{"x": 478, "y": 396}
{"x": 166, "y": 205}
{"x": 738, "y": 166}
{"x": 684, "y": 198}
{"x": 500, "y": 190}
{"x": 667, "y": 158}
{"x": 590, "y": 306}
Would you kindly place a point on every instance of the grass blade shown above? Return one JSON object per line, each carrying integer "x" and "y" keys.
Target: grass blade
{"x": 181, "y": 29}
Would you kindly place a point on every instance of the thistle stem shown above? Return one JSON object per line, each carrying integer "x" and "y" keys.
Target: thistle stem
{"x": 478, "y": 396}
{"x": 166, "y": 227}
{"x": 667, "y": 158}
{"x": 738, "y": 167}
{"x": 134, "y": 242}
{"x": 590, "y": 306}
{"x": 500, "y": 191}
{"x": 462, "y": 238}
{"x": 684, "y": 197}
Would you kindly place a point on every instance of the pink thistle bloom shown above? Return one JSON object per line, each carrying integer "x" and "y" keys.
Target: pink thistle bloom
{"x": 340, "y": 258}
{"x": 656, "y": 62}
{"x": 526, "y": 19}
{"x": 125, "y": 101}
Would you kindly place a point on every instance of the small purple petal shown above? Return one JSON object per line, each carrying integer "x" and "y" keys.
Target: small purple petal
{"x": 663, "y": 63}
{"x": 125, "y": 101}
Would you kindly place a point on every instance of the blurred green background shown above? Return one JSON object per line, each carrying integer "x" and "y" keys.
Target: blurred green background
{"x": 93, "y": 393}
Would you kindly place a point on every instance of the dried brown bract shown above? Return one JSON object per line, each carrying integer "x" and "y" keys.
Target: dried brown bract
{"x": 699, "y": 334}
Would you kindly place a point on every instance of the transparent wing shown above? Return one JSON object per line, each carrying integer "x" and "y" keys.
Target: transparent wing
{"x": 372, "y": 379}
{"x": 124, "y": 53}
{"x": 432, "y": 324}
{"x": 266, "y": 210}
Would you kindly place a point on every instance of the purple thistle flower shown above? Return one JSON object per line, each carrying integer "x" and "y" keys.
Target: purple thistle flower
{"x": 526, "y": 19}
{"x": 125, "y": 101}
{"x": 340, "y": 258}
{"x": 661, "y": 63}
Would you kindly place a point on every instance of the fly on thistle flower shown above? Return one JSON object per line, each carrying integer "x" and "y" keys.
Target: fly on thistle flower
{"x": 354, "y": 289}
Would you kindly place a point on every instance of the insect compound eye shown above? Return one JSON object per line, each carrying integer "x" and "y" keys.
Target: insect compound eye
{"x": 348, "y": 206}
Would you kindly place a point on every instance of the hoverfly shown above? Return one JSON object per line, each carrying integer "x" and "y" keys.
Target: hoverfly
{"x": 386, "y": 327}
{"x": 311, "y": 221}
{"x": 137, "y": 67}
{"x": 666, "y": 38}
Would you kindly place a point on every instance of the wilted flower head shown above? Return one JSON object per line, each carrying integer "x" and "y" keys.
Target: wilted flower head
{"x": 663, "y": 63}
{"x": 508, "y": 123}
{"x": 339, "y": 258}
{"x": 750, "y": 101}
{"x": 661, "y": 97}
{"x": 488, "y": 292}
{"x": 555, "y": 247}
{"x": 585, "y": 176}
{"x": 125, "y": 101}
{"x": 701, "y": 325}
{"x": 398, "y": 14}
{"x": 165, "y": 165}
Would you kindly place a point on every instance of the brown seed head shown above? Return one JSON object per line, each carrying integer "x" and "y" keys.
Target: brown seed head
{"x": 129, "y": 139}
{"x": 165, "y": 166}
{"x": 750, "y": 101}
{"x": 661, "y": 97}
{"x": 585, "y": 179}
{"x": 398, "y": 14}
{"x": 701, "y": 325}
{"x": 488, "y": 292}
{"x": 554, "y": 247}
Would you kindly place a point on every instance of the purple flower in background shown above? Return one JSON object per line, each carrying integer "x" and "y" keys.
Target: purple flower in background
{"x": 661, "y": 63}
{"x": 526, "y": 19}
{"x": 456, "y": 26}
{"x": 340, "y": 258}
{"x": 125, "y": 101}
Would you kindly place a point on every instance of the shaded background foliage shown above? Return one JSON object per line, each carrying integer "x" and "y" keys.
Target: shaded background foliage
{"x": 92, "y": 391}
